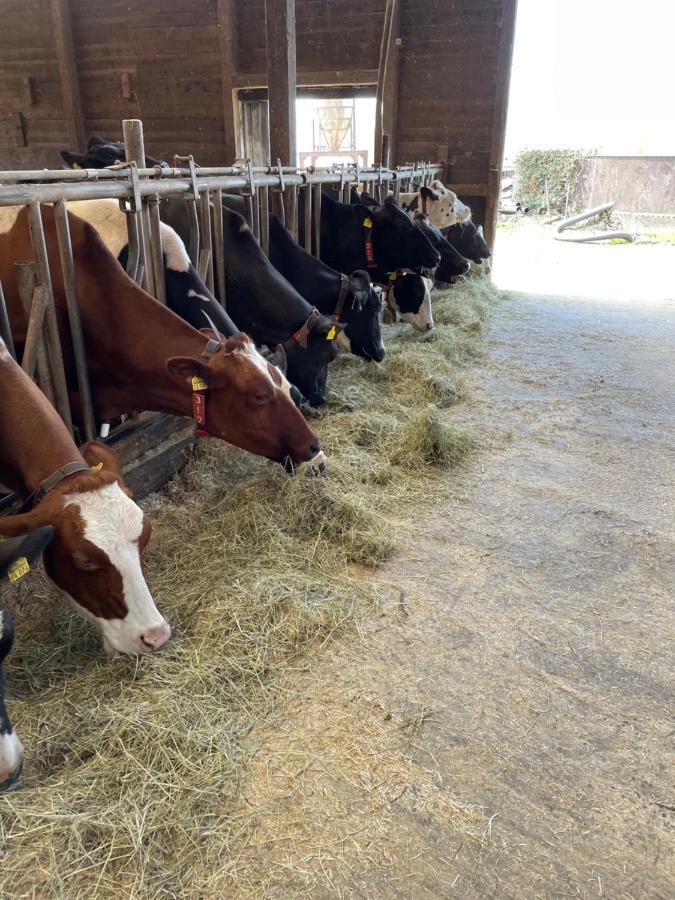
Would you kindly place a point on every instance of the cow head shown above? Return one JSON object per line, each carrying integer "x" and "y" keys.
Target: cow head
{"x": 468, "y": 240}
{"x": 440, "y": 204}
{"x": 397, "y": 244}
{"x": 101, "y": 153}
{"x": 410, "y": 297}
{"x": 95, "y": 553}
{"x": 361, "y": 315}
{"x": 308, "y": 366}
{"x": 248, "y": 401}
{"x": 11, "y": 751}
{"x": 452, "y": 262}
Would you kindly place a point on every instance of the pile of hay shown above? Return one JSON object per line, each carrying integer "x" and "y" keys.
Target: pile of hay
{"x": 133, "y": 765}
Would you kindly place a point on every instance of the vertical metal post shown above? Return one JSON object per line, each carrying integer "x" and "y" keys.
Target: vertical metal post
{"x": 156, "y": 248}
{"x": 5, "y": 329}
{"x": 264, "y": 198}
{"x": 74, "y": 318}
{"x": 316, "y": 219}
{"x": 134, "y": 151}
{"x": 218, "y": 248}
{"x": 33, "y": 305}
{"x": 134, "y": 258}
{"x": 193, "y": 224}
{"x": 307, "y": 210}
{"x": 206, "y": 241}
{"x": 51, "y": 325}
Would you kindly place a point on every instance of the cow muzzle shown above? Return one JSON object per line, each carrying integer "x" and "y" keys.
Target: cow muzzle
{"x": 11, "y": 760}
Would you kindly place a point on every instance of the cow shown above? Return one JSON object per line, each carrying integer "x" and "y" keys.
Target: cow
{"x": 16, "y": 555}
{"x": 440, "y": 204}
{"x": 99, "y": 532}
{"x": 263, "y": 304}
{"x": 350, "y": 299}
{"x": 141, "y": 356}
{"x": 468, "y": 240}
{"x": 453, "y": 265}
{"x": 102, "y": 153}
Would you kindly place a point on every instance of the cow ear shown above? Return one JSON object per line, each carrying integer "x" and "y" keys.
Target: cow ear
{"x": 479, "y": 229}
{"x": 365, "y": 212}
{"x": 428, "y": 194}
{"x": 368, "y": 200}
{"x": 182, "y": 369}
{"x": 97, "y": 454}
{"x": 329, "y": 329}
{"x": 390, "y": 200}
{"x": 74, "y": 160}
{"x": 96, "y": 140}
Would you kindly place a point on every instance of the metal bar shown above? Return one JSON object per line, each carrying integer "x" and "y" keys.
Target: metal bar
{"x": 5, "y": 328}
{"x": 156, "y": 249}
{"x": 26, "y": 282}
{"x": 134, "y": 151}
{"x": 264, "y": 204}
{"x": 134, "y": 257}
{"x": 51, "y": 325}
{"x": 74, "y": 318}
{"x": 193, "y": 225}
{"x": 307, "y": 197}
{"x": 34, "y": 304}
{"x": 292, "y": 206}
{"x": 218, "y": 248}
{"x": 316, "y": 220}
{"x": 206, "y": 242}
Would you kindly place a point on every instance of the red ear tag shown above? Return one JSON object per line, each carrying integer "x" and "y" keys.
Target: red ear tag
{"x": 199, "y": 409}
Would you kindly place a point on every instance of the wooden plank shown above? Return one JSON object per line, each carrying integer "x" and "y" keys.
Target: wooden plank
{"x": 281, "y": 78}
{"x": 228, "y": 70}
{"x": 505, "y": 55}
{"x": 70, "y": 86}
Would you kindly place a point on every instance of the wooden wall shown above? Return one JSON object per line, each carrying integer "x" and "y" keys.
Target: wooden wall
{"x": 170, "y": 63}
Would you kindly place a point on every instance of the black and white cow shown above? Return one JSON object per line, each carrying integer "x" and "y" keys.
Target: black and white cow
{"x": 15, "y": 554}
{"x": 453, "y": 264}
{"x": 440, "y": 204}
{"x": 102, "y": 153}
{"x": 468, "y": 240}
{"x": 350, "y": 299}
{"x": 263, "y": 304}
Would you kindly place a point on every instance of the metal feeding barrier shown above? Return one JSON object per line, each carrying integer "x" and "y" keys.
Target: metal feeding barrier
{"x": 139, "y": 191}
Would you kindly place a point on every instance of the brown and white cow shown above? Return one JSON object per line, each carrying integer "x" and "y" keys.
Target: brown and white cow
{"x": 441, "y": 205}
{"x": 99, "y": 532}
{"x": 141, "y": 356}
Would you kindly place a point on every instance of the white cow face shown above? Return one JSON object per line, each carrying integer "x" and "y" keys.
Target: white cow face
{"x": 443, "y": 207}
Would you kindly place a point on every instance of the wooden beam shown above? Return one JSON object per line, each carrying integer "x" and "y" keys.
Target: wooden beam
{"x": 281, "y": 78}
{"x": 506, "y": 39}
{"x": 227, "y": 33}
{"x": 325, "y": 78}
{"x": 382, "y": 76}
{"x": 392, "y": 79}
{"x": 70, "y": 85}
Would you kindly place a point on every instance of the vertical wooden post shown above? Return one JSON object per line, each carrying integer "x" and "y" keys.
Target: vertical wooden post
{"x": 70, "y": 85}
{"x": 506, "y": 38}
{"x": 387, "y": 31}
{"x": 281, "y": 86}
{"x": 227, "y": 30}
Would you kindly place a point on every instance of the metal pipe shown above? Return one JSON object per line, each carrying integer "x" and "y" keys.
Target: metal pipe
{"x": 581, "y": 217}
{"x": 316, "y": 219}
{"x": 193, "y": 227}
{"x": 218, "y": 248}
{"x": 206, "y": 242}
{"x": 134, "y": 258}
{"x": 75, "y": 319}
{"x": 156, "y": 249}
{"x": 5, "y": 328}
{"x": 134, "y": 151}
{"x": 307, "y": 210}
{"x": 51, "y": 325}
{"x": 34, "y": 305}
{"x": 264, "y": 200}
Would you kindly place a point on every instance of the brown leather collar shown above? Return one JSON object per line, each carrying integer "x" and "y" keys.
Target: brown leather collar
{"x": 301, "y": 336}
{"x": 49, "y": 483}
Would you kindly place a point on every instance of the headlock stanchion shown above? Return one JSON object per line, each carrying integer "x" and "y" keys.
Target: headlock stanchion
{"x": 140, "y": 191}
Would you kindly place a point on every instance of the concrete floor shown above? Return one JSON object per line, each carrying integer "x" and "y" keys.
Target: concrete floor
{"x": 504, "y": 726}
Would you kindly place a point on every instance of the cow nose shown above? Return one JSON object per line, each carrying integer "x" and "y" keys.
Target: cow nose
{"x": 156, "y": 637}
{"x": 11, "y": 759}
{"x": 314, "y": 449}
{"x": 429, "y": 326}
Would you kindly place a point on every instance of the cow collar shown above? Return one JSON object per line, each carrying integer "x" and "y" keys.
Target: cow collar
{"x": 49, "y": 483}
{"x": 344, "y": 290}
{"x": 200, "y": 389}
{"x": 301, "y": 336}
{"x": 368, "y": 243}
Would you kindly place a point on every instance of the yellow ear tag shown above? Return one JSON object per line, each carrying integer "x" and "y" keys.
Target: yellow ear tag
{"x": 368, "y": 222}
{"x": 198, "y": 384}
{"x": 331, "y": 334}
{"x": 96, "y": 468}
{"x": 18, "y": 569}
{"x": 77, "y": 166}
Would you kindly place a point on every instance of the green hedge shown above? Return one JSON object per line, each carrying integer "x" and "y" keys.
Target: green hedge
{"x": 560, "y": 168}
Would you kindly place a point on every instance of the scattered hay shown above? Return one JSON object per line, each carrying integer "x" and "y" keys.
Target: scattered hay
{"x": 133, "y": 767}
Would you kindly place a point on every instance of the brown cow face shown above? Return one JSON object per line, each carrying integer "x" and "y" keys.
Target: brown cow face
{"x": 249, "y": 402}
{"x": 95, "y": 554}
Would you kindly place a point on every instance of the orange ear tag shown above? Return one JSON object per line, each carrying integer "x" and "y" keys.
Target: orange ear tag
{"x": 96, "y": 468}
{"x": 198, "y": 384}
{"x": 331, "y": 334}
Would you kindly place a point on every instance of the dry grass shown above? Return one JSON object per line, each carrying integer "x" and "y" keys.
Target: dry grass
{"x": 134, "y": 767}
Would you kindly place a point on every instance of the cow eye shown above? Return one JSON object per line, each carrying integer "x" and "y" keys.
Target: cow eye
{"x": 261, "y": 398}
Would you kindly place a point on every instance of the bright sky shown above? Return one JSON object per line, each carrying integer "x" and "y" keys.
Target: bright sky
{"x": 594, "y": 74}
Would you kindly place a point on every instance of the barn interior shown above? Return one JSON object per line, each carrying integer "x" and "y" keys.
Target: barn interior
{"x": 430, "y": 659}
